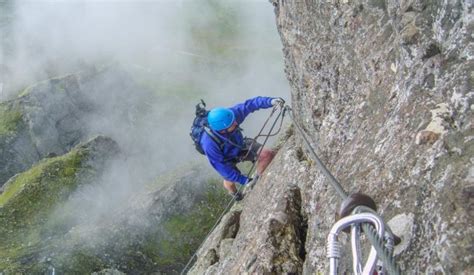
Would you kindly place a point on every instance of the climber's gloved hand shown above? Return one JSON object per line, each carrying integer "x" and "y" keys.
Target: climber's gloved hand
{"x": 249, "y": 180}
{"x": 278, "y": 101}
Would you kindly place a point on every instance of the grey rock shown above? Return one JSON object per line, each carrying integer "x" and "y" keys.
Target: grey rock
{"x": 368, "y": 79}
{"x": 402, "y": 225}
{"x": 55, "y": 112}
{"x": 225, "y": 247}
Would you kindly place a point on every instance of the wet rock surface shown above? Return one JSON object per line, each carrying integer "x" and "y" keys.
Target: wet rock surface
{"x": 384, "y": 91}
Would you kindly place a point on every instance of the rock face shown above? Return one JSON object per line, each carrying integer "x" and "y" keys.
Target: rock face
{"x": 235, "y": 247}
{"x": 383, "y": 89}
{"x": 50, "y": 118}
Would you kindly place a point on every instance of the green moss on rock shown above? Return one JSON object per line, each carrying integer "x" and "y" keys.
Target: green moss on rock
{"x": 186, "y": 232}
{"x": 171, "y": 242}
{"x": 43, "y": 185}
{"x": 10, "y": 118}
{"x": 27, "y": 203}
{"x": 32, "y": 235}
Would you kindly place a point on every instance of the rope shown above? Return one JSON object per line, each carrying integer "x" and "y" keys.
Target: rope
{"x": 279, "y": 127}
{"x": 254, "y": 140}
{"x": 377, "y": 243}
{"x": 231, "y": 201}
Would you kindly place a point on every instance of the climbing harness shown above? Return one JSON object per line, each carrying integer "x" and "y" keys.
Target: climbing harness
{"x": 280, "y": 116}
{"x": 380, "y": 237}
{"x": 228, "y": 140}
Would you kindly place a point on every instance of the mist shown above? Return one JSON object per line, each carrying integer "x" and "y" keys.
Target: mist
{"x": 179, "y": 51}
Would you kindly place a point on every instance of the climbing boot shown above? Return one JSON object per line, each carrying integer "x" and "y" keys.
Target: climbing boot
{"x": 238, "y": 196}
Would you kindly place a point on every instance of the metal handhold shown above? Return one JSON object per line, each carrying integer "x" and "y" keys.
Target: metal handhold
{"x": 396, "y": 240}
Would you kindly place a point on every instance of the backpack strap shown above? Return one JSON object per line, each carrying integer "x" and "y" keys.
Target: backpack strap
{"x": 230, "y": 141}
{"x": 214, "y": 137}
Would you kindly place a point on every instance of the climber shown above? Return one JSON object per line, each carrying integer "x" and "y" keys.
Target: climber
{"x": 225, "y": 145}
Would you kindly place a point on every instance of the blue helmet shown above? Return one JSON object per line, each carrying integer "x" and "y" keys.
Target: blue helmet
{"x": 220, "y": 118}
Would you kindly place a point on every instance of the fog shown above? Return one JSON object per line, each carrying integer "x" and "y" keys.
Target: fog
{"x": 221, "y": 51}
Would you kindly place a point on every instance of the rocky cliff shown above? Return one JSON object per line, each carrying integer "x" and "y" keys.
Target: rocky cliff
{"x": 30, "y": 224}
{"x": 51, "y": 117}
{"x": 384, "y": 90}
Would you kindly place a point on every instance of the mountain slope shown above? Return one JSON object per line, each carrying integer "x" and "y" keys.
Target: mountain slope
{"x": 53, "y": 116}
{"x": 46, "y": 222}
{"x": 29, "y": 199}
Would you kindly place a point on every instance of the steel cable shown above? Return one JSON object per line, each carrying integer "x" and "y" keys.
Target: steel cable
{"x": 335, "y": 183}
{"x": 382, "y": 252}
{"x": 386, "y": 257}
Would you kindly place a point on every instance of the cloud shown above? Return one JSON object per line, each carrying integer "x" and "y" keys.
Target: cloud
{"x": 181, "y": 51}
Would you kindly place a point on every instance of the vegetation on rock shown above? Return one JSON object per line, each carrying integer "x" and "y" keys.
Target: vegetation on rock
{"x": 185, "y": 232}
{"x": 35, "y": 237}
{"x": 10, "y": 117}
{"x": 27, "y": 202}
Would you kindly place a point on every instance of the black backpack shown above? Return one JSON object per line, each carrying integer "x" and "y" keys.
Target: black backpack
{"x": 200, "y": 126}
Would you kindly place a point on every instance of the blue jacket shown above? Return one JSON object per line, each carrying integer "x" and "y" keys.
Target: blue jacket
{"x": 224, "y": 160}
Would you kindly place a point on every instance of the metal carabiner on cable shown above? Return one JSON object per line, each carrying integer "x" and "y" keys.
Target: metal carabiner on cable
{"x": 389, "y": 239}
{"x": 334, "y": 248}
